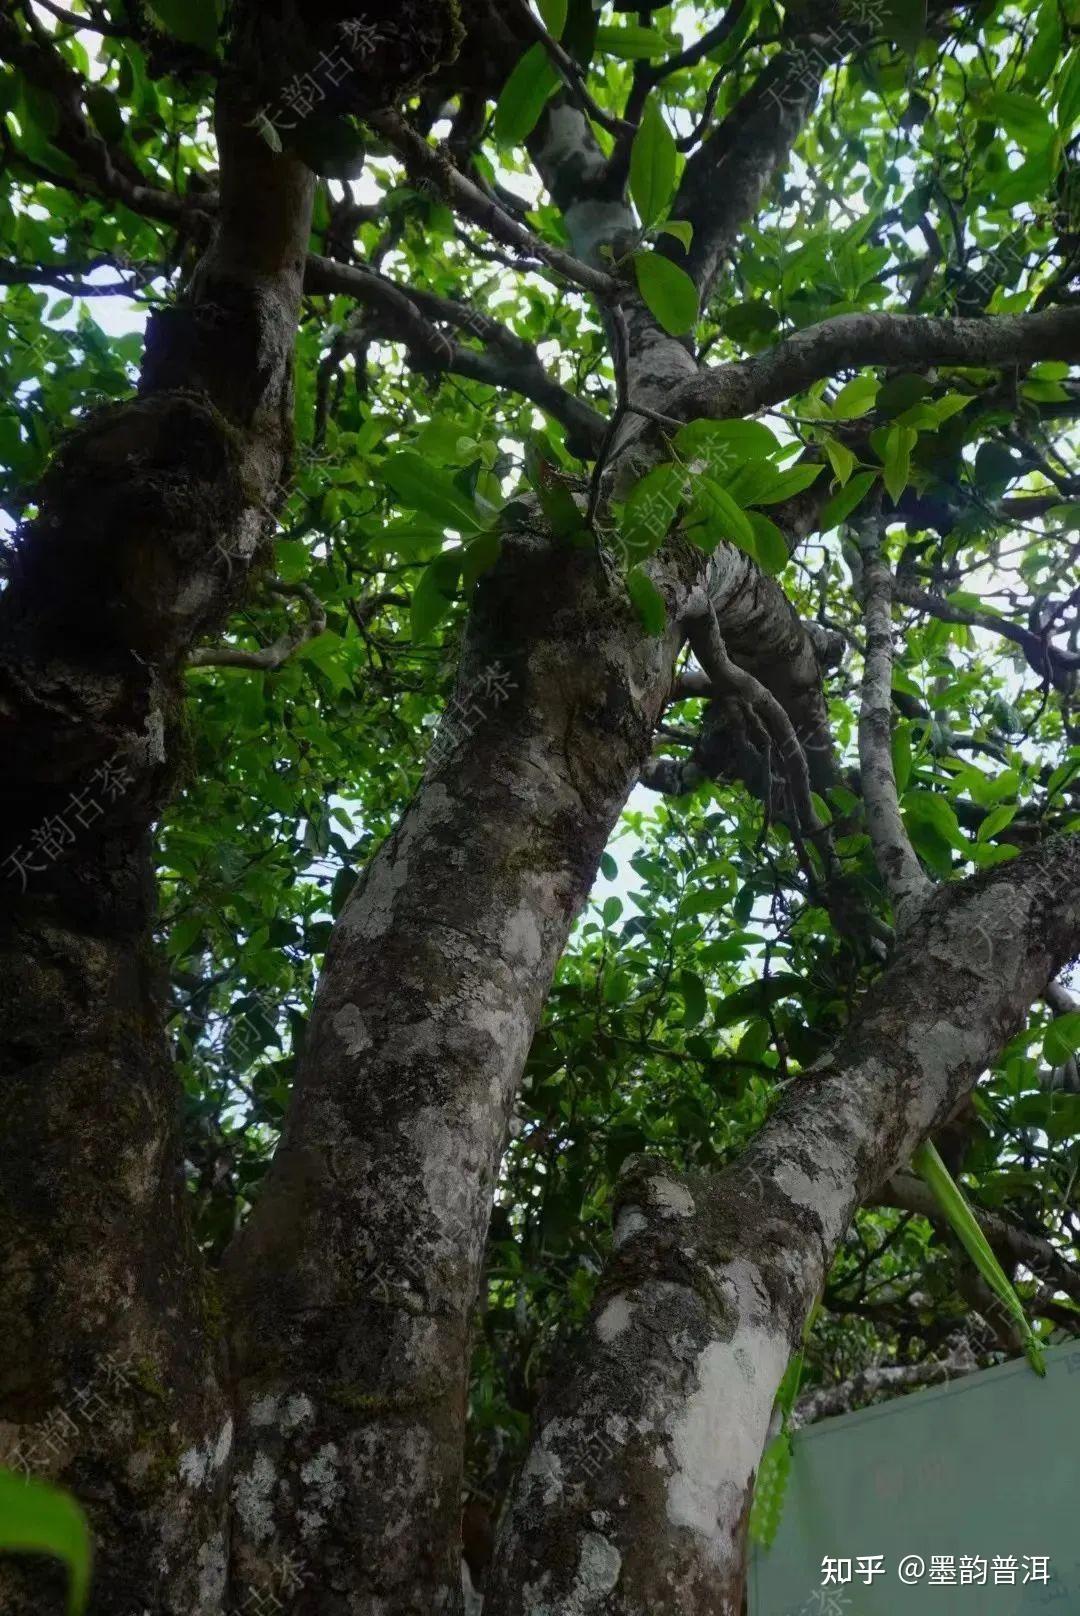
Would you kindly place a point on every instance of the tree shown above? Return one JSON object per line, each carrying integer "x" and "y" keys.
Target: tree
{"x": 649, "y": 372}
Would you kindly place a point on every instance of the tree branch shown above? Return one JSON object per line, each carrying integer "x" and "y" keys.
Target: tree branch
{"x": 824, "y": 1401}
{"x": 909, "y": 1194}
{"x": 274, "y": 655}
{"x": 432, "y": 164}
{"x": 1045, "y": 659}
{"x": 712, "y": 1278}
{"x": 724, "y": 676}
{"x": 903, "y": 875}
{"x": 852, "y": 340}
{"x": 509, "y": 362}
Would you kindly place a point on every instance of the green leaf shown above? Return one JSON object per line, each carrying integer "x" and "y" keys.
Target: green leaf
{"x": 557, "y": 502}
{"x": 996, "y": 820}
{"x": 611, "y": 911}
{"x": 721, "y": 447}
{"x": 950, "y": 404}
{"x": 855, "y": 398}
{"x": 723, "y": 519}
{"x": 668, "y": 290}
{"x": 901, "y": 756}
{"x": 39, "y": 1519}
{"x": 104, "y": 109}
{"x": 695, "y": 999}
{"x": 525, "y": 94}
{"x": 845, "y": 500}
{"x": 479, "y": 556}
{"x": 841, "y": 459}
{"x": 681, "y": 229}
{"x": 1045, "y": 51}
{"x": 554, "y": 15}
{"x": 930, "y": 1167}
{"x": 194, "y": 21}
{"x": 752, "y": 482}
{"x": 899, "y": 442}
{"x": 1021, "y": 116}
{"x": 770, "y": 545}
{"x": 650, "y": 510}
{"x": 648, "y": 601}
{"x": 789, "y": 483}
{"x": 1062, "y": 1038}
{"x": 1068, "y": 93}
{"x": 652, "y": 165}
{"x": 928, "y": 808}
{"x": 434, "y": 593}
{"x": 632, "y": 43}
{"x": 904, "y": 21}
{"x": 421, "y": 487}
{"x": 579, "y": 32}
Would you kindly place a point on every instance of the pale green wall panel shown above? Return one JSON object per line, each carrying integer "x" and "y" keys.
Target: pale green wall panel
{"x": 987, "y": 1465}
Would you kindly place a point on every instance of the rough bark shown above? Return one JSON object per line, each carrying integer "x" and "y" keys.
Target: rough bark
{"x": 851, "y": 340}
{"x": 635, "y": 1493}
{"x": 151, "y": 520}
{"x": 354, "y": 1280}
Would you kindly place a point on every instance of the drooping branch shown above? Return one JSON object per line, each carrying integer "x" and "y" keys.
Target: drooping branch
{"x": 505, "y": 361}
{"x": 1047, "y": 660}
{"x": 430, "y": 164}
{"x": 725, "y": 677}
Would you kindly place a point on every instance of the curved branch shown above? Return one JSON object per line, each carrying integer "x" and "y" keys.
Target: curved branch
{"x": 852, "y": 340}
{"x": 1047, "y": 660}
{"x": 271, "y": 656}
{"x": 708, "y": 646}
{"x": 507, "y": 362}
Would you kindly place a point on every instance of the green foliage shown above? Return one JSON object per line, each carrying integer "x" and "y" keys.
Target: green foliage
{"x": 38, "y": 1519}
{"x": 529, "y": 87}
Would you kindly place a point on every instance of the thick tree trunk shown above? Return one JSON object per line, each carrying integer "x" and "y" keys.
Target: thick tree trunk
{"x": 635, "y": 1495}
{"x": 152, "y": 519}
{"x": 353, "y": 1283}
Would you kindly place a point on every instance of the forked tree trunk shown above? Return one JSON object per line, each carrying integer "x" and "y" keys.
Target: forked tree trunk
{"x": 635, "y": 1495}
